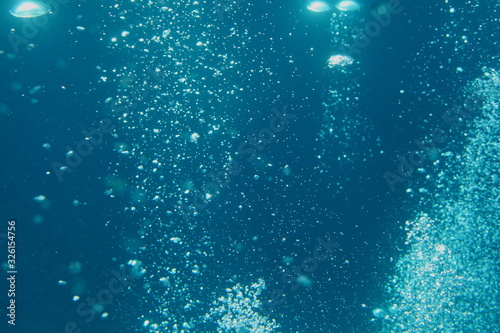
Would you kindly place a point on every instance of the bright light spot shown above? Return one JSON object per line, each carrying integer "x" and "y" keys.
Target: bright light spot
{"x": 40, "y": 198}
{"x": 194, "y": 137}
{"x": 176, "y": 240}
{"x": 339, "y": 60}
{"x": 378, "y": 313}
{"x": 30, "y": 9}
{"x": 318, "y": 7}
{"x": 347, "y": 6}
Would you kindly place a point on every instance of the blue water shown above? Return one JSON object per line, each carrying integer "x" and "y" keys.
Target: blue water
{"x": 199, "y": 167}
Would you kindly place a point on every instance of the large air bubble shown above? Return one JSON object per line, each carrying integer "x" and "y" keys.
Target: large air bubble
{"x": 30, "y": 9}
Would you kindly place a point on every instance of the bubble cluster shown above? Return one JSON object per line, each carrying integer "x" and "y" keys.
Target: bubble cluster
{"x": 184, "y": 96}
{"x": 347, "y": 132}
{"x": 186, "y": 85}
{"x": 339, "y": 60}
{"x": 446, "y": 278}
{"x": 185, "y": 88}
{"x": 239, "y": 310}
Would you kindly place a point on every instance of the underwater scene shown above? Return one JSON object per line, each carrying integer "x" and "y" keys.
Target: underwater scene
{"x": 250, "y": 167}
